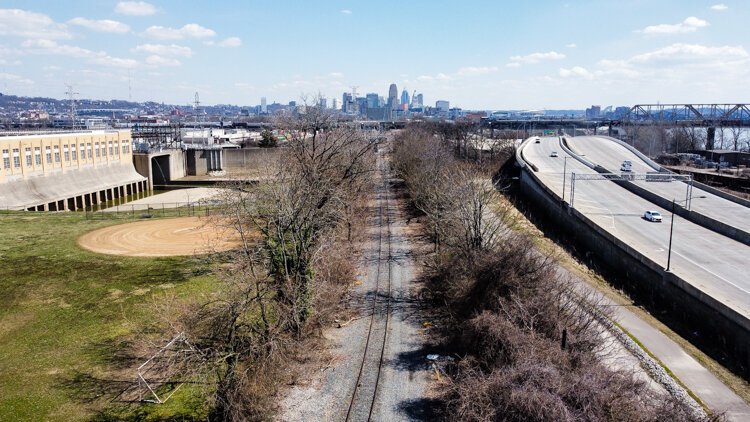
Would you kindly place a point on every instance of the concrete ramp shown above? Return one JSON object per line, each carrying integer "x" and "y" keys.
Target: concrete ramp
{"x": 54, "y": 187}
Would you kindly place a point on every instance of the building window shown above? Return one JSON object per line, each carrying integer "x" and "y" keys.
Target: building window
{"x": 66, "y": 153}
{"x": 57, "y": 154}
{"x": 111, "y": 149}
{"x": 82, "y": 148}
{"x": 38, "y": 156}
{"x": 16, "y": 158}
{"x": 75, "y": 153}
{"x": 27, "y": 152}
{"x": 96, "y": 147}
{"x": 88, "y": 149}
{"x": 6, "y": 159}
{"x": 48, "y": 153}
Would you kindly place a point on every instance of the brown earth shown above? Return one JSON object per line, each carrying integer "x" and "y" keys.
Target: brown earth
{"x": 167, "y": 237}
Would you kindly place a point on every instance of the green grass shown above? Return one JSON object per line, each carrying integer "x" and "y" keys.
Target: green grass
{"x": 65, "y": 310}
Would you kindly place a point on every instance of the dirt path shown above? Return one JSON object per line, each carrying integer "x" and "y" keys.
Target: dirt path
{"x": 378, "y": 369}
{"x": 163, "y": 237}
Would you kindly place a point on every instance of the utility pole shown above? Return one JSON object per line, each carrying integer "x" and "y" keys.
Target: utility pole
{"x": 71, "y": 96}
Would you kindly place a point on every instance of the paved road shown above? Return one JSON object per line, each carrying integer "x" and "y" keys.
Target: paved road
{"x": 610, "y": 155}
{"x": 720, "y": 267}
{"x": 715, "y": 264}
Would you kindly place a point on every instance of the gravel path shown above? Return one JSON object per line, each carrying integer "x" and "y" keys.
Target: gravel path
{"x": 383, "y": 378}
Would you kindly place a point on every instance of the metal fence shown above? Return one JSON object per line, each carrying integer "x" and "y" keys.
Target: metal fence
{"x": 132, "y": 211}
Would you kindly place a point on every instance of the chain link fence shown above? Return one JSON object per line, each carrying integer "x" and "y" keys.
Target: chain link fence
{"x": 132, "y": 211}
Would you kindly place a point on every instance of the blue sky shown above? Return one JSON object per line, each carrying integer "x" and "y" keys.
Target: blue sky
{"x": 477, "y": 54}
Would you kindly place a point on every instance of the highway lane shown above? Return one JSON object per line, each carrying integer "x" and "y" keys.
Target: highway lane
{"x": 715, "y": 264}
{"x": 610, "y": 155}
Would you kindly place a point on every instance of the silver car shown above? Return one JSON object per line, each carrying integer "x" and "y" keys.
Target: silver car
{"x": 654, "y": 216}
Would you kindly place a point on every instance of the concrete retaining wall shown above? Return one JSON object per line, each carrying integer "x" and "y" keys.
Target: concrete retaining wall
{"x": 249, "y": 158}
{"x": 718, "y": 326}
{"x": 162, "y": 166}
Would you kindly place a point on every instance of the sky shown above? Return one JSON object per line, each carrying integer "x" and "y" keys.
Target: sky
{"x": 489, "y": 55}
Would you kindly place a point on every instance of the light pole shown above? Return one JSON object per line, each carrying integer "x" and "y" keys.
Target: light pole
{"x": 565, "y": 172}
{"x": 671, "y": 228}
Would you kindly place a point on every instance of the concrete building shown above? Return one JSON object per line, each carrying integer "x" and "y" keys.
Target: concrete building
{"x": 404, "y": 98}
{"x": 373, "y": 100}
{"x": 66, "y": 171}
{"x": 393, "y": 97}
{"x": 263, "y": 105}
{"x": 442, "y": 106}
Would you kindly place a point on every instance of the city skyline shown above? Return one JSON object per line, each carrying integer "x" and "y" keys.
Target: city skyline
{"x": 484, "y": 56}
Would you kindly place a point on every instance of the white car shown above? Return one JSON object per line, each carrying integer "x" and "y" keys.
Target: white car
{"x": 554, "y": 154}
{"x": 654, "y": 216}
{"x": 626, "y": 166}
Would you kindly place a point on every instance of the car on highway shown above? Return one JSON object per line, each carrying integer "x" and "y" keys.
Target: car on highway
{"x": 626, "y": 166}
{"x": 554, "y": 154}
{"x": 537, "y": 141}
{"x": 654, "y": 216}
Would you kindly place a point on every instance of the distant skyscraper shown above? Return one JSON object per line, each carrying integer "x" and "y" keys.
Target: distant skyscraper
{"x": 404, "y": 97}
{"x": 347, "y": 102}
{"x": 372, "y": 100}
{"x": 420, "y": 100}
{"x": 263, "y": 106}
{"x": 322, "y": 103}
{"x": 393, "y": 97}
{"x": 335, "y": 104}
{"x": 442, "y": 105}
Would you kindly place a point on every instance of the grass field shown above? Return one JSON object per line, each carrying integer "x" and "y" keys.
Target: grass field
{"x": 65, "y": 310}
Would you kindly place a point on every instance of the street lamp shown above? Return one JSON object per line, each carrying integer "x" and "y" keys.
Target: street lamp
{"x": 565, "y": 173}
{"x": 671, "y": 227}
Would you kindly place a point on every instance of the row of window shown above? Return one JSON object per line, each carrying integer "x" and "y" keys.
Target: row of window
{"x": 69, "y": 151}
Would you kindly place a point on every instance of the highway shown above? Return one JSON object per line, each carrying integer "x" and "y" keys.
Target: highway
{"x": 610, "y": 155}
{"x": 709, "y": 261}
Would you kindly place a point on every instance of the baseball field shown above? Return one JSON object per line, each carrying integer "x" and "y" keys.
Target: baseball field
{"x": 72, "y": 292}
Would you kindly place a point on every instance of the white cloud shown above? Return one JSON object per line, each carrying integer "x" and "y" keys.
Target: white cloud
{"x": 438, "y": 77}
{"x": 537, "y": 57}
{"x": 164, "y": 50}
{"x": 690, "y": 24}
{"x": 230, "y": 42}
{"x": 513, "y": 64}
{"x": 191, "y": 30}
{"x": 691, "y": 53}
{"x": 118, "y": 62}
{"x": 25, "y": 24}
{"x": 571, "y": 45}
{"x": 472, "y": 70}
{"x": 15, "y": 79}
{"x": 346, "y": 12}
{"x": 50, "y": 47}
{"x": 575, "y": 72}
{"x": 104, "y": 25}
{"x": 336, "y": 75}
{"x": 156, "y": 60}
{"x": 720, "y": 7}
{"x": 135, "y": 8}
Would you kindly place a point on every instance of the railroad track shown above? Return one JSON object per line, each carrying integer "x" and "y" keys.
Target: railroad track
{"x": 365, "y": 391}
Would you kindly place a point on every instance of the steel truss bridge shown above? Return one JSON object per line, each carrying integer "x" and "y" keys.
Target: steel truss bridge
{"x": 704, "y": 115}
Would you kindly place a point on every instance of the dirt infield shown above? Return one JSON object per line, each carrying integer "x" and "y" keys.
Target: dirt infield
{"x": 169, "y": 237}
